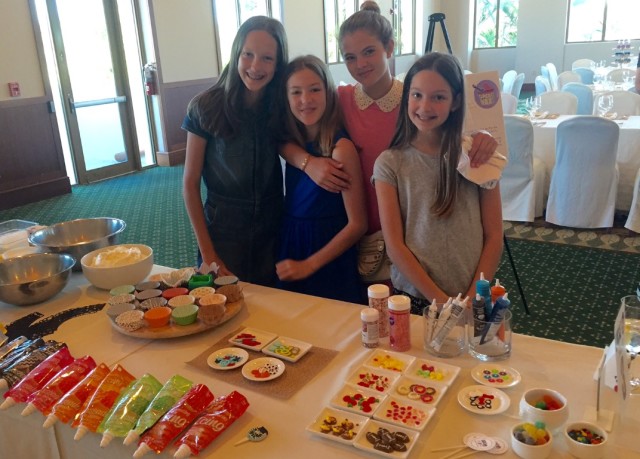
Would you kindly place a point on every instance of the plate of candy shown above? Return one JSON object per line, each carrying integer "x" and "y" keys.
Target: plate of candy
{"x": 483, "y": 400}
{"x": 495, "y": 375}
{"x": 227, "y": 358}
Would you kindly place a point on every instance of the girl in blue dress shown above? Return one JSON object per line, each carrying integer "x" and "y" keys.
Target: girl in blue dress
{"x": 317, "y": 253}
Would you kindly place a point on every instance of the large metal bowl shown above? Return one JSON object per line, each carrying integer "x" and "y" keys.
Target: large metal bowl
{"x": 34, "y": 278}
{"x": 78, "y": 237}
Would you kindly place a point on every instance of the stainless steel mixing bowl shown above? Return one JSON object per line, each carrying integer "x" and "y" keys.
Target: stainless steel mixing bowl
{"x": 78, "y": 237}
{"x": 34, "y": 278}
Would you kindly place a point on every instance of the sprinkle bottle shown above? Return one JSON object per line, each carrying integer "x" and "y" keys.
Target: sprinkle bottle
{"x": 370, "y": 318}
{"x": 399, "y": 323}
{"x": 378, "y": 299}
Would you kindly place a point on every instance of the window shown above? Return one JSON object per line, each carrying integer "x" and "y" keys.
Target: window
{"x": 402, "y": 20}
{"x": 602, "y": 20}
{"x": 496, "y": 23}
{"x": 230, "y": 14}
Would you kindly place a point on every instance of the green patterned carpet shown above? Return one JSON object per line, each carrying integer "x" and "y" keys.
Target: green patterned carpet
{"x": 573, "y": 283}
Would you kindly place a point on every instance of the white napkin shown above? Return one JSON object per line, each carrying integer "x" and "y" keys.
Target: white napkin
{"x": 486, "y": 175}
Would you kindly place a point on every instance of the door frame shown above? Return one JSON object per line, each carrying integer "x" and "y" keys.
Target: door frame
{"x": 125, "y": 109}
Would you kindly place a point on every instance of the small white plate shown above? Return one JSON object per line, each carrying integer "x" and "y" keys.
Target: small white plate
{"x": 373, "y": 379}
{"x": 228, "y": 358}
{"x": 357, "y": 400}
{"x": 324, "y": 427}
{"x": 263, "y": 369}
{"x": 483, "y": 400}
{"x": 432, "y": 370}
{"x": 373, "y": 427}
{"x": 252, "y": 339}
{"x": 287, "y": 349}
{"x": 388, "y": 360}
{"x": 495, "y": 375}
{"x": 404, "y": 413}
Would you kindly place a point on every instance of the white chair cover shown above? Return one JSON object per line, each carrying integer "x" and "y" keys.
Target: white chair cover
{"x": 542, "y": 85}
{"x": 586, "y": 63}
{"x": 523, "y": 179}
{"x": 568, "y": 77}
{"x": 584, "y": 179}
{"x": 633, "y": 220}
{"x": 624, "y": 102}
{"x": 517, "y": 85}
{"x": 618, "y": 75}
{"x": 553, "y": 76}
{"x": 558, "y": 102}
{"x": 507, "y": 80}
{"x": 509, "y": 103}
{"x": 586, "y": 74}
{"x": 584, "y": 95}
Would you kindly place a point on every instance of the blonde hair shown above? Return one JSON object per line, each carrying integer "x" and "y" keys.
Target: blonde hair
{"x": 330, "y": 121}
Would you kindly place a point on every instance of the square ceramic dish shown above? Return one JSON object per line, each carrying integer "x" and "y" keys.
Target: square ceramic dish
{"x": 337, "y": 425}
{"x": 357, "y": 400}
{"x": 388, "y": 360}
{"x": 373, "y": 379}
{"x": 253, "y": 339}
{"x": 374, "y": 430}
{"x": 425, "y": 393}
{"x": 287, "y": 348}
{"x": 404, "y": 413}
{"x": 432, "y": 370}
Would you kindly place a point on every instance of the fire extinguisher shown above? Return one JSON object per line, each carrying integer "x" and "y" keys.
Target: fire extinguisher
{"x": 150, "y": 79}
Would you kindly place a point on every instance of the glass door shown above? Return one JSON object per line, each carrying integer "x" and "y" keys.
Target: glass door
{"x": 94, "y": 87}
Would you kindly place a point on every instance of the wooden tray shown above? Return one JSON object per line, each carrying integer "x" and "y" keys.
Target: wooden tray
{"x": 175, "y": 331}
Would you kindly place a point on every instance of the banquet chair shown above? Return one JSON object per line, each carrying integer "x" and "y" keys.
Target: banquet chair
{"x": 618, "y": 75}
{"x": 544, "y": 72}
{"x": 507, "y": 80}
{"x": 568, "y": 77}
{"x": 553, "y": 76}
{"x": 509, "y": 103}
{"x": 624, "y": 102}
{"x": 558, "y": 102}
{"x": 633, "y": 219}
{"x": 584, "y": 178}
{"x": 542, "y": 85}
{"x": 517, "y": 85}
{"x": 586, "y": 63}
{"x": 523, "y": 180}
{"x": 584, "y": 95}
{"x": 586, "y": 74}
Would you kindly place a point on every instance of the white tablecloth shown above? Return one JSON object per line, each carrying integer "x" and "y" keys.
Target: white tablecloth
{"x": 544, "y": 147}
{"x": 330, "y": 324}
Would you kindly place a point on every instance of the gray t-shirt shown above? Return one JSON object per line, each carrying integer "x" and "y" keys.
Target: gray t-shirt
{"x": 448, "y": 248}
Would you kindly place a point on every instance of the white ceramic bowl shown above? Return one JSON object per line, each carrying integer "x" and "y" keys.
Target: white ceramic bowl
{"x": 526, "y": 451}
{"x": 553, "y": 419}
{"x": 132, "y": 271}
{"x": 584, "y": 450}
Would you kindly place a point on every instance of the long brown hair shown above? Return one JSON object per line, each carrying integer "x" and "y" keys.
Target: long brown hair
{"x": 219, "y": 107}
{"x": 330, "y": 121}
{"x": 370, "y": 20}
{"x": 448, "y": 68}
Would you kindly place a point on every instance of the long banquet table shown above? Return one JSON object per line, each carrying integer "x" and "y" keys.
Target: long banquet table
{"x": 628, "y": 157}
{"x": 330, "y": 324}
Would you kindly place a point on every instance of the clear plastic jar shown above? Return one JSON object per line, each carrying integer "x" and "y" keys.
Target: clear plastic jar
{"x": 378, "y": 299}
{"x": 370, "y": 318}
{"x": 400, "y": 323}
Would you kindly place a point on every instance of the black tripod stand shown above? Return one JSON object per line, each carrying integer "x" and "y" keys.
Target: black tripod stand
{"x": 436, "y": 17}
{"x": 439, "y": 17}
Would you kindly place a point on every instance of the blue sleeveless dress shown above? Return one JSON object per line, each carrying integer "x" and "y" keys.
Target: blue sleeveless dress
{"x": 312, "y": 217}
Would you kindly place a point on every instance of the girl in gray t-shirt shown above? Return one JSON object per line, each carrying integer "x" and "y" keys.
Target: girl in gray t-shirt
{"x": 441, "y": 231}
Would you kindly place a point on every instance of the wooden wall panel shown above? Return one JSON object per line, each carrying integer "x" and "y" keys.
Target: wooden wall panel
{"x": 30, "y": 153}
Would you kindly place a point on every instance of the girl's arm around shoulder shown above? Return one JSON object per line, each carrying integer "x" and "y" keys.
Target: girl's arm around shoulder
{"x": 327, "y": 173}
{"x": 353, "y": 198}
{"x": 493, "y": 233}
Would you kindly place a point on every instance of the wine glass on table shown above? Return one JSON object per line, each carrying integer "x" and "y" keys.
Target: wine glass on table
{"x": 533, "y": 106}
{"x": 605, "y": 104}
